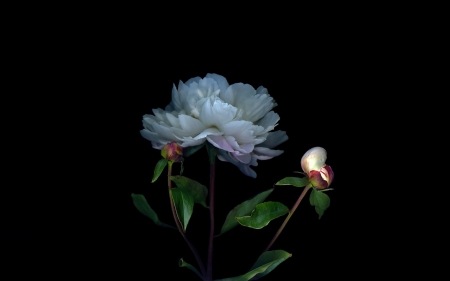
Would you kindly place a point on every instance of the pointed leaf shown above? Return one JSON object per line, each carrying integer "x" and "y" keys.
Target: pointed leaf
{"x": 188, "y": 151}
{"x": 295, "y": 181}
{"x": 258, "y": 270}
{"x": 197, "y": 190}
{"x": 142, "y": 205}
{"x": 182, "y": 263}
{"x": 263, "y": 214}
{"x": 320, "y": 200}
{"x": 243, "y": 209}
{"x": 277, "y": 255}
{"x": 158, "y": 169}
{"x": 184, "y": 205}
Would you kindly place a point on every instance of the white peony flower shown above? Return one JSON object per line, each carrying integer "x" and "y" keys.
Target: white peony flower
{"x": 236, "y": 118}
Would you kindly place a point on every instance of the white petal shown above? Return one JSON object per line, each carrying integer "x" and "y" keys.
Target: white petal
{"x": 243, "y": 158}
{"x": 220, "y": 142}
{"x": 202, "y": 89}
{"x": 160, "y": 115}
{"x": 148, "y": 121}
{"x": 244, "y": 168}
{"x": 200, "y": 138}
{"x": 240, "y": 148}
{"x": 157, "y": 145}
{"x": 151, "y": 136}
{"x": 216, "y": 112}
{"x": 192, "y": 142}
{"x": 169, "y": 133}
{"x": 274, "y": 139}
{"x": 208, "y": 87}
{"x": 266, "y": 152}
{"x": 192, "y": 80}
{"x": 190, "y": 125}
{"x": 237, "y": 93}
{"x": 173, "y": 121}
{"x": 176, "y": 99}
{"x": 269, "y": 121}
{"x": 257, "y": 106}
{"x": 221, "y": 81}
{"x": 241, "y": 130}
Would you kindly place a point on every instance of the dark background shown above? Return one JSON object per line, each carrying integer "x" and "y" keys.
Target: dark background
{"x": 327, "y": 88}
{"x": 321, "y": 92}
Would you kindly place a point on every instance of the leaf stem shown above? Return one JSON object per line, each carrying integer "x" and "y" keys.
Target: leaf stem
{"x": 212, "y": 175}
{"x": 177, "y": 222}
{"x": 291, "y": 212}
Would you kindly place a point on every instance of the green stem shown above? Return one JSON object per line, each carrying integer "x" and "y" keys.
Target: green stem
{"x": 291, "y": 212}
{"x": 212, "y": 175}
{"x": 177, "y": 222}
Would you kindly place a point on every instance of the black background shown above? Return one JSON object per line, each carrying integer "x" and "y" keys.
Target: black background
{"x": 327, "y": 86}
{"x": 320, "y": 92}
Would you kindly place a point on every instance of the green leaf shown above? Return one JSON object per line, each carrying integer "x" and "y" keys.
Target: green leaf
{"x": 142, "y": 205}
{"x": 277, "y": 255}
{"x": 265, "y": 264}
{"x": 212, "y": 152}
{"x": 184, "y": 205}
{"x": 188, "y": 151}
{"x": 243, "y": 209}
{"x": 320, "y": 200}
{"x": 298, "y": 182}
{"x": 182, "y": 263}
{"x": 263, "y": 214}
{"x": 158, "y": 169}
{"x": 197, "y": 190}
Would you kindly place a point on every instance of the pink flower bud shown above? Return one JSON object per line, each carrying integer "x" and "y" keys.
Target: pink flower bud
{"x": 313, "y": 164}
{"x": 172, "y": 152}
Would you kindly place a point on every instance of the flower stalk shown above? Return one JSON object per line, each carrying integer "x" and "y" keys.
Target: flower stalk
{"x": 178, "y": 223}
{"x": 212, "y": 170}
{"x": 291, "y": 212}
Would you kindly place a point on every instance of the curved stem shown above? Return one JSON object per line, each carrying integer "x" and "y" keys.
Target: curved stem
{"x": 212, "y": 175}
{"x": 291, "y": 212}
{"x": 180, "y": 227}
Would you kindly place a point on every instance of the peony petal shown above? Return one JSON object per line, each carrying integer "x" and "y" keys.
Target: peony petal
{"x": 220, "y": 142}
{"x": 269, "y": 121}
{"x": 208, "y": 87}
{"x": 200, "y": 138}
{"x": 257, "y": 106}
{"x": 237, "y": 93}
{"x": 173, "y": 121}
{"x": 176, "y": 99}
{"x": 240, "y": 130}
{"x": 157, "y": 141}
{"x": 215, "y": 112}
{"x": 221, "y": 81}
{"x": 244, "y": 168}
{"x": 169, "y": 133}
{"x": 191, "y": 125}
{"x": 243, "y": 92}
{"x": 204, "y": 88}
{"x": 274, "y": 139}
{"x": 148, "y": 121}
{"x": 193, "y": 80}
{"x": 242, "y": 148}
{"x": 188, "y": 141}
{"x": 243, "y": 158}
{"x": 266, "y": 153}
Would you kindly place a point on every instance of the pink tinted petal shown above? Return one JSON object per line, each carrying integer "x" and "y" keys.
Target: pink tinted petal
{"x": 315, "y": 178}
{"x": 327, "y": 174}
{"x": 244, "y": 158}
{"x": 220, "y": 142}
